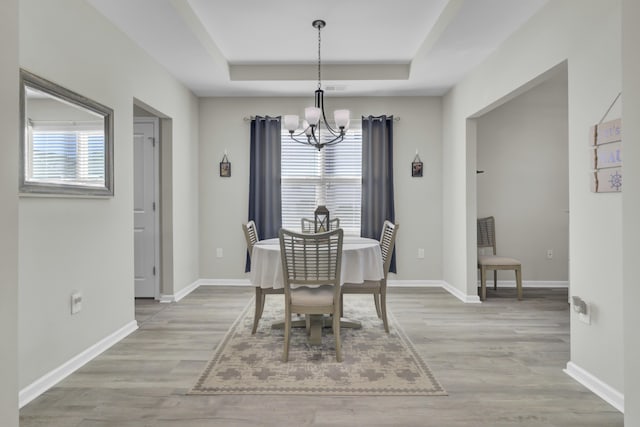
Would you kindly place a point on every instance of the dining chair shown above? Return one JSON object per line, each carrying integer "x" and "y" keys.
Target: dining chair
{"x": 307, "y": 225}
{"x": 378, "y": 288}
{"x": 311, "y": 266}
{"x": 487, "y": 239}
{"x": 251, "y": 236}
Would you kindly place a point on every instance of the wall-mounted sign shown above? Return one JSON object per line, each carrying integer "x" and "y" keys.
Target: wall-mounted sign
{"x": 606, "y": 140}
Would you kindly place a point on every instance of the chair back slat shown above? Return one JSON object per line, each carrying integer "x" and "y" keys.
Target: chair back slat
{"x": 387, "y": 243}
{"x": 311, "y": 259}
{"x": 250, "y": 235}
{"x": 487, "y": 233}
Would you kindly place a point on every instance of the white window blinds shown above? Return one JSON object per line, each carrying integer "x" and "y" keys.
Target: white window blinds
{"x": 66, "y": 153}
{"x": 333, "y": 174}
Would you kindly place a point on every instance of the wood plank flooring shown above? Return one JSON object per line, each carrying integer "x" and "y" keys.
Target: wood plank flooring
{"x": 501, "y": 363}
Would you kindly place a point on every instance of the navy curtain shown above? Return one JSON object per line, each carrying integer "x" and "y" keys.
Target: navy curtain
{"x": 265, "y": 201}
{"x": 377, "y": 177}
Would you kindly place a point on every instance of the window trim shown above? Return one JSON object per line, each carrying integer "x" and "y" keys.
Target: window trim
{"x": 26, "y": 187}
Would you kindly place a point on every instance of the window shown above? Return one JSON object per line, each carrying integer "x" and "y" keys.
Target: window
{"x": 333, "y": 174}
{"x": 63, "y": 153}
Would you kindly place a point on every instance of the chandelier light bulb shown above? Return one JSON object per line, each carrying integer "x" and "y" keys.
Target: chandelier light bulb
{"x": 341, "y": 118}
{"x": 291, "y": 122}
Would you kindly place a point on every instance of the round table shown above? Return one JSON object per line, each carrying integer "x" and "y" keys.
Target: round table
{"x": 361, "y": 260}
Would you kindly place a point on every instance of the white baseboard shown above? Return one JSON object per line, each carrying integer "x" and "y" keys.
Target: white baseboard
{"x": 224, "y": 282}
{"x": 168, "y": 298}
{"x": 601, "y": 389}
{"x": 50, "y": 379}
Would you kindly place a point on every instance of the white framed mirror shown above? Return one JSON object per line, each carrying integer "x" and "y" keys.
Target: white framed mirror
{"x": 66, "y": 141}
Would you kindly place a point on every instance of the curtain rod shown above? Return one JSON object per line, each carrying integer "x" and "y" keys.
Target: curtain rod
{"x": 249, "y": 118}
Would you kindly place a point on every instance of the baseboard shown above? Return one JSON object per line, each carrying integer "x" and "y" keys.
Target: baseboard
{"x": 529, "y": 283}
{"x": 601, "y": 389}
{"x": 168, "y": 298}
{"x": 224, "y": 282}
{"x": 467, "y": 299}
{"x": 50, "y": 379}
{"x": 414, "y": 283}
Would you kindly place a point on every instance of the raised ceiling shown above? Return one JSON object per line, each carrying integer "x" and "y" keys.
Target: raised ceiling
{"x": 369, "y": 47}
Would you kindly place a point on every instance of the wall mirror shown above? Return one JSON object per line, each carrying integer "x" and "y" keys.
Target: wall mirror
{"x": 66, "y": 141}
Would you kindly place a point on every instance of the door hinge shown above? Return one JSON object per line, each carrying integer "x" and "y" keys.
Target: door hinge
{"x": 154, "y": 206}
{"x": 153, "y": 140}
{"x": 154, "y": 270}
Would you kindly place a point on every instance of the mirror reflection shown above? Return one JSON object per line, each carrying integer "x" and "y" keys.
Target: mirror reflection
{"x": 66, "y": 142}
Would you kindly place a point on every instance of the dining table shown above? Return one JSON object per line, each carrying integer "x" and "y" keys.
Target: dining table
{"x": 361, "y": 261}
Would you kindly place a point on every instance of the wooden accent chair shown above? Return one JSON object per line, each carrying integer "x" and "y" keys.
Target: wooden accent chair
{"x": 487, "y": 239}
{"x": 311, "y": 272}
{"x": 378, "y": 288}
{"x": 307, "y": 225}
{"x": 251, "y": 236}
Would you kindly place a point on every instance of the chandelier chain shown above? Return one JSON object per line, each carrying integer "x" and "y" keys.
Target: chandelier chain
{"x": 319, "y": 62}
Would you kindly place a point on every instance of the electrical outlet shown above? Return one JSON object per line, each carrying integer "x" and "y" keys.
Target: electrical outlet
{"x": 420, "y": 253}
{"x": 585, "y": 317}
{"x": 219, "y": 253}
{"x": 76, "y": 302}
{"x": 549, "y": 253}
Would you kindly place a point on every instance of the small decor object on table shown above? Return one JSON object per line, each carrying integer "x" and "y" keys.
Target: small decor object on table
{"x": 225, "y": 167}
{"x": 321, "y": 219}
{"x": 416, "y": 166}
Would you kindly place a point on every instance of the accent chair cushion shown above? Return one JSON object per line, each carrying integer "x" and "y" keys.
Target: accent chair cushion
{"x": 497, "y": 260}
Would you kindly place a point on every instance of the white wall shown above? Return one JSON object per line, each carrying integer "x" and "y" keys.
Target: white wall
{"x": 69, "y": 244}
{"x": 631, "y": 207}
{"x": 586, "y": 33}
{"x": 9, "y": 213}
{"x": 224, "y": 201}
{"x": 522, "y": 149}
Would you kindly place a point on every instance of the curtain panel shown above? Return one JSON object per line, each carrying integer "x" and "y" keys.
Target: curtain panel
{"x": 265, "y": 202}
{"x": 377, "y": 177}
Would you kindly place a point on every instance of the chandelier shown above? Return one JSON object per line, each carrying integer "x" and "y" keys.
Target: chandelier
{"x": 314, "y": 116}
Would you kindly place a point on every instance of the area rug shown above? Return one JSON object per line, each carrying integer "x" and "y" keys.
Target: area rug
{"x": 374, "y": 363}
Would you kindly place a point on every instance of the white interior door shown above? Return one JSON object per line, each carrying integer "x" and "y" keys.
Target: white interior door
{"x": 145, "y": 214}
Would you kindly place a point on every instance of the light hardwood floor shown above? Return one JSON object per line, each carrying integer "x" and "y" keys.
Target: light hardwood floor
{"x": 501, "y": 363}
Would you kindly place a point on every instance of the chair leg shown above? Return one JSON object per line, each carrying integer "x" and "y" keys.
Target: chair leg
{"x": 336, "y": 334}
{"x": 483, "y": 284}
{"x": 258, "y": 311}
{"x": 519, "y": 283}
{"x": 287, "y": 333}
{"x": 376, "y": 300}
{"x": 383, "y": 303}
{"x": 495, "y": 280}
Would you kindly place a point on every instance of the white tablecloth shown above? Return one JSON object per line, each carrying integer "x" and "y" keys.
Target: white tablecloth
{"x": 361, "y": 260}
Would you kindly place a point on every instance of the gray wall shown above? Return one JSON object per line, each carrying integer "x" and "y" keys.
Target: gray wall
{"x": 522, "y": 149}
{"x": 68, "y": 244}
{"x": 224, "y": 201}
{"x": 631, "y": 207}
{"x": 572, "y": 31}
{"x": 9, "y": 213}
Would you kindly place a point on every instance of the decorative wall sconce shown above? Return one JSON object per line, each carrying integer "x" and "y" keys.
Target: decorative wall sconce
{"x": 225, "y": 166}
{"x": 416, "y": 166}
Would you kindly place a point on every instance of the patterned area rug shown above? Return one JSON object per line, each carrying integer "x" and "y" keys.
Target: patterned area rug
{"x": 374, "y": 362}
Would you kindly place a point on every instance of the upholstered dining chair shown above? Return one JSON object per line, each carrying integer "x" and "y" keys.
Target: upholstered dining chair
{"x": 378, "y": 288}
{"x": 307, "y": 225}
{"x": 487, "y": 239}
{"x": 251, "y": 236}
{"x": 311, "y": 265}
